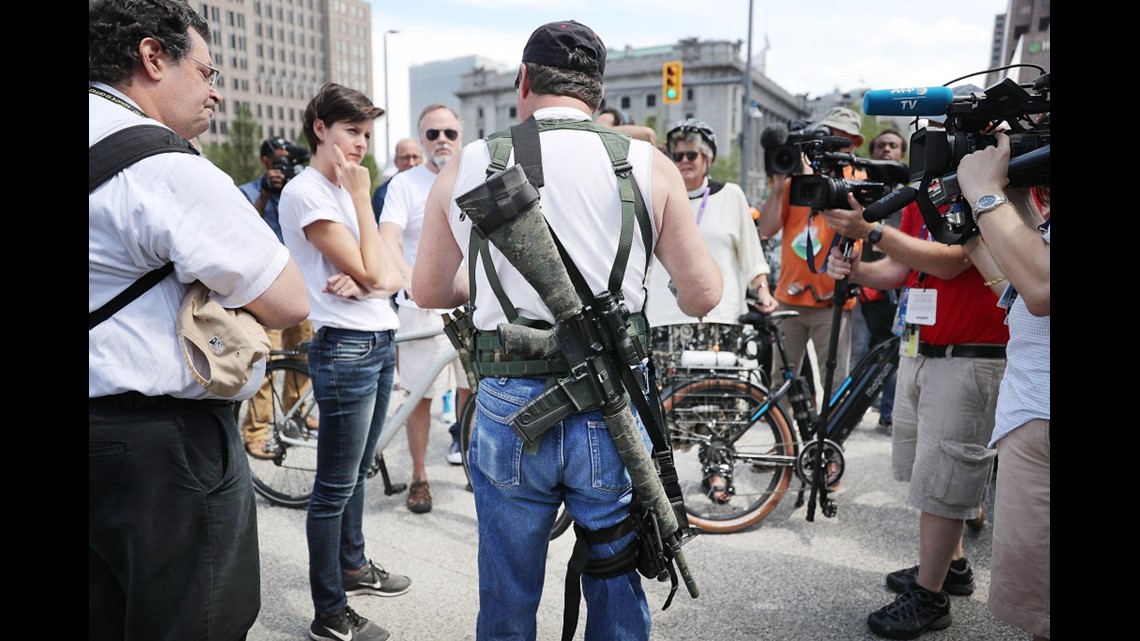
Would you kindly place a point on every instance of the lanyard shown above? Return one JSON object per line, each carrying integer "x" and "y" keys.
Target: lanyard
{"x": 115, "y": 99}
{"x": 704, "y": 201}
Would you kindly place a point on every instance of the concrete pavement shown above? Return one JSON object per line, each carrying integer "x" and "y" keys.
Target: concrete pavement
{"x": 783, "y": 579}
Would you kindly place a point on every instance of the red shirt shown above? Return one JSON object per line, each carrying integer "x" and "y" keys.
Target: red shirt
{"x": 966, "y": 311}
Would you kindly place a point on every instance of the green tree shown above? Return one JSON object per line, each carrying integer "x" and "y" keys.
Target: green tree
{"x": 240, "y": 156}
{"x": 726, "y": 168}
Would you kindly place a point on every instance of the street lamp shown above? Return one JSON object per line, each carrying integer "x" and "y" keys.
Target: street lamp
{"x": 387, "y": 107}
{"x": 745, "y": 125}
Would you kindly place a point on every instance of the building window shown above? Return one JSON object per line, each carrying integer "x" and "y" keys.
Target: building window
{"x": 1043, "y": 24}
{"x": 650, "y": 100}
{"x": 689, "y": 94}
{"x": 513, "y": 111}
{"x": 625, "y": 102}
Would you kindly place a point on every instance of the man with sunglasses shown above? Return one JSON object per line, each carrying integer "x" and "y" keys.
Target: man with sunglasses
{"x": 171, "y": 517}
{"x": 441, "y": 136}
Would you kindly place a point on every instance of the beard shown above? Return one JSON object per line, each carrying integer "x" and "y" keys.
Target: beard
{"x": 440, "y": 160}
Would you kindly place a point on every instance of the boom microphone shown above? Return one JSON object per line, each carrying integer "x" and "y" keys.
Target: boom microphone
{"x": 910, "y": 101}
{"x": 889, "y": 204}
{"x": 773, "y": 135}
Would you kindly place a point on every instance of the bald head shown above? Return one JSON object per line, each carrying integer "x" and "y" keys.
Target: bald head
{"x": 408, "y": 154}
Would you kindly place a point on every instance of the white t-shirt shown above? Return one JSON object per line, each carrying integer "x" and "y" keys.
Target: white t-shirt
{"x": 734, "y": 244}
{"x": 307, "y": 198}
{"x": 580, "y": 201}
{"x": 168, "y": 207}
{"x": 404, "y": 207}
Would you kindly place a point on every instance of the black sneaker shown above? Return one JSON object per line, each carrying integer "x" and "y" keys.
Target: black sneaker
{"x": 958, "y": 582}
{"x": 376, "y": 580}
{"x": 346, "y": 625}
{"x": 911, "y": 613}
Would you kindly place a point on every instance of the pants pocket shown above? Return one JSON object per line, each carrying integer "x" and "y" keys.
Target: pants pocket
{"x": 607, "y": 468}
{"x": 495, "y": 448}
{"x": 962, "y": 473}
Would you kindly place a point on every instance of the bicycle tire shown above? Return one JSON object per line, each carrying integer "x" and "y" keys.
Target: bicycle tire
{"x": 710, "y": 422}
{"x": 562, "y": 522}
{"x": 287, "y": 479}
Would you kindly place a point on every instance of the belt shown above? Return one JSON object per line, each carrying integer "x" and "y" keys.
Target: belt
{"x": 137, "y": 401}
{"x": 491, "y": 362}
{"x": 962, "y": 351}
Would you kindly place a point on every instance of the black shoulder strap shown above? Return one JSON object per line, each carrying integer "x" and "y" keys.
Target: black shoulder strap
{"x": 108, "y": 157}
{"x": 127, "y": 146}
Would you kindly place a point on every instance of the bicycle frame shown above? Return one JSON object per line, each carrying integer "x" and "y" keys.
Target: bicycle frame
{"x": 395, "y": 421}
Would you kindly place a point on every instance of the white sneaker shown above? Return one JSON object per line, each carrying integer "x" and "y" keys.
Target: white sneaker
{"x": 454, "y": 456}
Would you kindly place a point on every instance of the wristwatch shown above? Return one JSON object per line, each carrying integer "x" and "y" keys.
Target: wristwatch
{"x": 876, "y": 234}
{"x": 988, "y": 202}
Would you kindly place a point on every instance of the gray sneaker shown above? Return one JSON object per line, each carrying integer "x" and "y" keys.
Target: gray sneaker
{"x": 346, "y": 625}
{"x": 377, "y": 581}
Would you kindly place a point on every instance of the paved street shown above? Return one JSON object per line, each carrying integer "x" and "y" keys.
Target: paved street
{"x": 784, "y": 579}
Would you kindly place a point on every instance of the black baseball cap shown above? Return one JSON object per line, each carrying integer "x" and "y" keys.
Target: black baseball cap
{"x": 271, "y": 145}
{"x": 552, "y": 43}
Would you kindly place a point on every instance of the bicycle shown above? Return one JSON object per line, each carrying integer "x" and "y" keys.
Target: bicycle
{"x": 724, "y": 422}
{"x": 287, "y": 478}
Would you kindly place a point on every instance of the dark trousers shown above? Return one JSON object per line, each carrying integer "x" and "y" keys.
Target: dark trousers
{"x": 172, "y": 526}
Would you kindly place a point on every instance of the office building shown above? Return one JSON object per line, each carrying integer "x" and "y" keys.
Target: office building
{"x": 276, "y": 54}
{"x": 1021, "y": 35}
{"x": 437, "y": 83}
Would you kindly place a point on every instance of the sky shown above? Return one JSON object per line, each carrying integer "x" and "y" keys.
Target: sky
{"x": 813, "y": 46}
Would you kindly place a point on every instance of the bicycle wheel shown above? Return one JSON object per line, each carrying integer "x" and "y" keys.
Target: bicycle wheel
{"x": 466, "y": 428}
{"x": 713, "y": 434}
{"x": 287, "y": 478}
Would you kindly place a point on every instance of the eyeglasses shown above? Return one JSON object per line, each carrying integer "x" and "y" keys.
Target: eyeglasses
{"x": 432, "y": 134}
{"x": 680, "y": 155}
{"x": 211, "y": 76}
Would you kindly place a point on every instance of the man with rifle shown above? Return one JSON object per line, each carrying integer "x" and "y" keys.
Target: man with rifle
{"x": 566, "y": 281}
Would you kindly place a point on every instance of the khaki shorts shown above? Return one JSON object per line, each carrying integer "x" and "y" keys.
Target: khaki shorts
{"x": 415, "y": 358}
{"x": 1019, "y": 578}
{"x": 943, "y": 420}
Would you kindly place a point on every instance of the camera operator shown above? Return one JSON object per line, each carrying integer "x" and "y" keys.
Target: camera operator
{"x": 874, "y": 314}
{"x": 1013, "y": 252}
{"x": 799, "y": 288}
{"x": 265, "y": 194}
{"x": 953, "y": 358}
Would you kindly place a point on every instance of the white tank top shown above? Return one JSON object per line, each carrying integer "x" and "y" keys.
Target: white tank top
{"x": 580, "y": 201}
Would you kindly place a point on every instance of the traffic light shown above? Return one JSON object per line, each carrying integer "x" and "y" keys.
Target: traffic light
{"x": 671, "y": 82}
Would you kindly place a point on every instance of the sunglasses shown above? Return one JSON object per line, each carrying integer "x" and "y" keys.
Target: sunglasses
{"x": 432, "y": 134}
{"x": 680, "y": 155}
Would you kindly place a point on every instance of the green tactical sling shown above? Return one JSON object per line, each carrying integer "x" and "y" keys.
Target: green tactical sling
{"x": 487, "y": 358}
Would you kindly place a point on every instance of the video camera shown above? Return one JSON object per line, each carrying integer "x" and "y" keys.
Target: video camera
{"x": 969, "y": 120}
{"x": 781, "y": 143}
{"x": 290, "y": 165}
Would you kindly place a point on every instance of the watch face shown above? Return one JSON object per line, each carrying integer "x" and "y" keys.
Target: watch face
{"x": 987, "y": 201}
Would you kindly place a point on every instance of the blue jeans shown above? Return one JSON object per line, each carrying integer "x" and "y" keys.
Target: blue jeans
{"x": 517, "y": 497}
{"x": 352, "y": 374}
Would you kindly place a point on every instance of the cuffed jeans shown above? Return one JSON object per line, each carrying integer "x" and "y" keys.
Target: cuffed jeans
{"x": 517, "y": 497}
{"x": 352, "y": 374}
{"x": 171, "y": 523}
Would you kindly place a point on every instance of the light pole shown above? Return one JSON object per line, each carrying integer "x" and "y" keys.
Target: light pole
{"x": 745, "y": 125}
{"x": 387, "y": 107}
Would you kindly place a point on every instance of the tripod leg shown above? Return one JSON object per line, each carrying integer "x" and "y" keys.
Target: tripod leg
{"x": 389, "y": 488}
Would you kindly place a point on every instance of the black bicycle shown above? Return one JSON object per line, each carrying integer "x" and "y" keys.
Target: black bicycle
{"x": 734, "y": 445}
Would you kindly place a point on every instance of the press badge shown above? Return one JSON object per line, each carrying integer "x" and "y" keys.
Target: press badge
{"x": 921, "y": 306}
{"x": 908, "y": 346}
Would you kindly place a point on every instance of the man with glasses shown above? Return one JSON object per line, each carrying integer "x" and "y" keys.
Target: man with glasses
{"x": 172, "y": 526}
{"x": 408, "y": 155}
{"x": 400, "y": 225}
